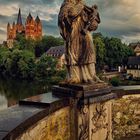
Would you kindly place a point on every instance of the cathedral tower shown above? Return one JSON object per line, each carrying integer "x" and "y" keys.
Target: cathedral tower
{"x": 38, "y": 28}
{"x": 30, "y": 27}
{"x": 9, "y": 36}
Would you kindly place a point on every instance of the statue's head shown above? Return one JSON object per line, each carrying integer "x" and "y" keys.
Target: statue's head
{"x": 94, "y": 18}
{"x": 71, "y": 1}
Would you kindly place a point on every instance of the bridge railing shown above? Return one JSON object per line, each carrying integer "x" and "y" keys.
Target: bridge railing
{"x": 73, "y": 113}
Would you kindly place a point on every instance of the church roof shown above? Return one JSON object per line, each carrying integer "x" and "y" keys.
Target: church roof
{"x": 19, "y": 19}
{"x": 57, "y": 51}
{"x": 134, "y": 60}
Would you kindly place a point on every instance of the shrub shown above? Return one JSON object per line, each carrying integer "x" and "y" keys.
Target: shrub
{"x": 115, "y": 81}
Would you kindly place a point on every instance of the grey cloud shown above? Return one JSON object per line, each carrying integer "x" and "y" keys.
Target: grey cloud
{"x": 19, "y": 1}
{"x": 51, "y": 27}
{"x": 2, "y": 31}
{"x": 2, "y": 17}
{"x": 115, "y": 17}
{"x": 5, "y": 19}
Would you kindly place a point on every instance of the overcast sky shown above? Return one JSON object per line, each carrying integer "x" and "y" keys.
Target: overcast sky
{"x": 119, "y": 18}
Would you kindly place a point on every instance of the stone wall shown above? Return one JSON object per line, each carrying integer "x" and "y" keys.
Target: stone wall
{"x": 54, "y": 127}
{"x": 126, "y": 117}
{"x": 81, "y": 115}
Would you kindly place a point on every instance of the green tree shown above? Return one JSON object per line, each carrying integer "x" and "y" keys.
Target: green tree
{"x": 11, "y": 63}
{"x": 26, "y": 65}
{"x": 98, "y": 41}
{"x": 20, "y": 63}
{"x": 127, "y": 51}
{"x": 46, "y": 43}
{"x": 116, "y": 52}
{"x": 20, "y": 42}
{"x": 24, "y": 44}
{"x": 4, "y": 54}
{"x": 46, "y": 67}
{"x": 115, "y": 81}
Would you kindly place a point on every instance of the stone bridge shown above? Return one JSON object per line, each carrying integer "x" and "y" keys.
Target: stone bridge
{"x": 75, "y": 112}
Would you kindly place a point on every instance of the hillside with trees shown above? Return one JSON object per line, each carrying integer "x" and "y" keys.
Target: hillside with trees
{"x": 28, "y": 60}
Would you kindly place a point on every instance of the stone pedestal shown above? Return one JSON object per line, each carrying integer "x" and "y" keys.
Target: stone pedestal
{"x": 90, "y": 110}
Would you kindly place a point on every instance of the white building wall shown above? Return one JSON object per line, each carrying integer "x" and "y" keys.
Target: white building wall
{"x": 134, "y": 72}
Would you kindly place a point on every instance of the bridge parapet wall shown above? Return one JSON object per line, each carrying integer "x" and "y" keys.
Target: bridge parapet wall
{"x": 71, "y": 112}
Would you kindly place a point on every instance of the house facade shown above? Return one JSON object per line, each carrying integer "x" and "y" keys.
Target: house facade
{"x": 58, "y": 52}
{"x": 133, "y": 66}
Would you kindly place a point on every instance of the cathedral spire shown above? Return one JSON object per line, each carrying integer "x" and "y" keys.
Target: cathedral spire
{"x": 8, "y": 25}
{"x": 19, "y": 20}
{"x": 37, "y": 19}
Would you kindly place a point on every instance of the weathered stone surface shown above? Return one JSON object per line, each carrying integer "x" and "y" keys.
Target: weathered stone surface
{"x": 126, "y": 117}
{"x": 84, "y": 114}
{"x": 79, "y": 90}
{"x": 132, "y": 138}
{"x": 86, "y": 97}
{"x": 84, "y": 87}
{"x": 43, "y": 100}
{"x": 12, "y": 117}
{"x": 94, "y": 121}
{"x": 101, "y": 121}
{"x": 54, "y": 127}
{"x": 15, "y": 120}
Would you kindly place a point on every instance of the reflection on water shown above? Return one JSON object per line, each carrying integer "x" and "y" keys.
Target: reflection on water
{"x": 11, "y": 91}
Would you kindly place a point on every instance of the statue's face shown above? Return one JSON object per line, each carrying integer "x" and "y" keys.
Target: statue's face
{"x": 95, "y": 20}
{"x": 93, "y": 26}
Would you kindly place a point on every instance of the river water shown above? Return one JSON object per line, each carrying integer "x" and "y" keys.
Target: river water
{"x": 11, "y": 91}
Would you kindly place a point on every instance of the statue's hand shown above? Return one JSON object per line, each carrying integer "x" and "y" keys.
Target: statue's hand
{"x": 84, "y": 32}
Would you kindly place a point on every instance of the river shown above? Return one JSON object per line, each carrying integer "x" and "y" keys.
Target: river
{"x": 11, "y": 91}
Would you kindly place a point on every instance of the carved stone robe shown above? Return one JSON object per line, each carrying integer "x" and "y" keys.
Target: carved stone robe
{"x": 79, "y": 47}
{"x": 80, "y": 52}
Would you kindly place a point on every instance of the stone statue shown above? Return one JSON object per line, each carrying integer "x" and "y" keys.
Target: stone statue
{"x": 76, "y": 21}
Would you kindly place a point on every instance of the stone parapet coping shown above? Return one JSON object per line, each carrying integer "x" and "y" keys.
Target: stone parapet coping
{"x": 15, "y": 120}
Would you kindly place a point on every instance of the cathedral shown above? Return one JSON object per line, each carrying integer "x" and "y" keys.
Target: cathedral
{"x": 32, "y": 29}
